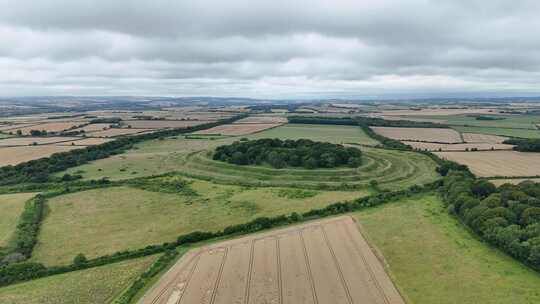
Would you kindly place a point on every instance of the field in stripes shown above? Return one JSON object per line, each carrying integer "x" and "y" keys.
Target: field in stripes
{"x": 325, "y": 261}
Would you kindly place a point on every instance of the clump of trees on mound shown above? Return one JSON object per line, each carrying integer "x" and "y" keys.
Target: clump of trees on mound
{"x": 289, "y": 153}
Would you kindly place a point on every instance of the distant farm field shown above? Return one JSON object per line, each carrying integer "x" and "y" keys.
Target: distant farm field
{"x": 113, "y": 132}
{"x": 433, "y": 259}
{"x": 91, "y": 286}
{"x": 11, "y": 207}
{"x": 326, "y": 133}
{"x": 483, "y": 138}
{"x": 497, "y": 163}
{"x": 161, "y": 124}
{"x": 238, "y": 129}
{"x": 437, "y": 135}
{"x": 107, "y": 220}
{"x": 26, "y": 141}
{"x": 325, "y": 261}
{"x": 523, "y": 133}
{"x": 425, "y": 146}
{"x": 17, "y": 155}
{"x": 49, "y": 127}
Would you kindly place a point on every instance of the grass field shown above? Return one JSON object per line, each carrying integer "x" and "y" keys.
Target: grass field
{"x": 11, "y": 206}
{"x": 523, "y": 133}
{"x": 103, "y": 221}
{"x": 433, "y": 259}
{"x": 92, "y": 286}
{"x": 509, "y": 121}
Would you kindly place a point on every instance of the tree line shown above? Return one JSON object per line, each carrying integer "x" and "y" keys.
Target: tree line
{"x": 288, "y": 153}
{"x": 524, "y": 144}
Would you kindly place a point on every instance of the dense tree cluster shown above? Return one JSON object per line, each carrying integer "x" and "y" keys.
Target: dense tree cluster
{"x": 507, "y": 217}
{"x": 524, "y": 145}
{"x": 289, "y": 153}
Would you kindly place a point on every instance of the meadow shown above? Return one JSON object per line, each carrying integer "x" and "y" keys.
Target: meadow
{"x": 103, "y": 221}
{"x": 11, "y": 207}
{"x": 91, "y": 286}
{"x": 522, "y": 133}
{"x": 433, "y": 259}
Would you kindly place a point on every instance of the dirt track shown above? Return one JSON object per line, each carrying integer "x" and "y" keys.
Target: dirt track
{"x": 319, "y": 262}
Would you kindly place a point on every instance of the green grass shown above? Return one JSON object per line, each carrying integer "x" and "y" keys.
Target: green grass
{"x": 325, "y": 133}
{"x": 432, "y": 258}
{"x": 509, "y": 121}
{"x": 523, "y": 133}
{"x": 11, "y": 207}
{"x": 103, "y": 221}
{"x": 96, "y": 285}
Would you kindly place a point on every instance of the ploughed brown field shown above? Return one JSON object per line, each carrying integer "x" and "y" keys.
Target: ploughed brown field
{"x": 437, "y": 135}
{"x": 497, "y": 163}
{"x": 325, "y": 261}
{"x": 237, "y": 129}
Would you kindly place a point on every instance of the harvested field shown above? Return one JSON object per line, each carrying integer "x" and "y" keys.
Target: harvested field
{"x": 118, "y": 132}
{"x": 483, "y": 138}
{"x": 17, "y": 155}
{"x": 26, "y": 141}
{"x": 497, "y": 163}
{"x": 49, "y": 127}
{"x": 441, "y": 112}
{"x": 13, "y": 127}
{"x": 263, "y": 119}
{"x": 91, "y": 141}
{"x": 162, "y": 124}
{"x": 94, "y": 127}
{"x": 237, "y": 129}
{"x": 326, "y": 261}
{"x": 424, "y": 146}
{"x": 513, "y": 181}
{"x": 437, "y": 135}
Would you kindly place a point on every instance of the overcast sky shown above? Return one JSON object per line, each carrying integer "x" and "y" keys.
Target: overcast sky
{"x": 276, "y": 48}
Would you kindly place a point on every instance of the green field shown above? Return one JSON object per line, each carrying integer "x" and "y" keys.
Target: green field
{"x": 11, "y": 207}
{"x": 327, "y": 133}
{"x": 509, "y": 121}
{"x": 103, "y": 221}
{"x": 523, "y": 133}
{"x": 91, "y": 286}
{"x": 433, "y": 259}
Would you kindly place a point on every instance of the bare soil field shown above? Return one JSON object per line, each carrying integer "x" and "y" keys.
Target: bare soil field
{"x": 26, "y": 141}
{"x": 437, "y": 135}
{"x": 483, "y": 138}
{"x": 162, "y": 124}
{"x": 113, "y": 132}
{"x": 49, "y": 127}
{"x": 262, "y": 120}
{"x": 424, "y": 146}
{"x": 497, "y": 163}
{"x": 513, "y": 181}
{"x": 237, "y": 129}
{"x": 326, "y": 261}
{"x": 17, "y": 155}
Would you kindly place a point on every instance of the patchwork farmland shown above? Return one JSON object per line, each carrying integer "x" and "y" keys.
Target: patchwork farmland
{"x": 436, "y": 135}
{"x": 321, "y": 262}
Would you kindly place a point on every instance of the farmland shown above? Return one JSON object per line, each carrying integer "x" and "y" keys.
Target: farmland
{"x": 16, "y": 155}
{"x": 161, "y": 124}
{"x": 457, "y": 147}
{"x": 92, "y": 286}
{"x": 523, "y": 133}
{"x": 320, "y": 262}
{"x": 437, "y": 135}
{"x": 11, "y": 206}
{"x": 108, "y": 220}
{"x": 497, "y": 163}
{"x": 434, "y": 260}
{"x": 237, "y": 129}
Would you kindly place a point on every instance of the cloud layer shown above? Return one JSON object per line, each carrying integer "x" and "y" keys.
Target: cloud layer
{"x": 301, "y": 48}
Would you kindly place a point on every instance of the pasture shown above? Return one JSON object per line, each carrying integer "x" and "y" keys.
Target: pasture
{"x": 433, "y": 259}
{"x": 11, "y": 207}
{"x": 104, "y": 221}
{"x": 522, "y": 133}
{"x": 91, "y": 286}
{"x": 497, "y": 163}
